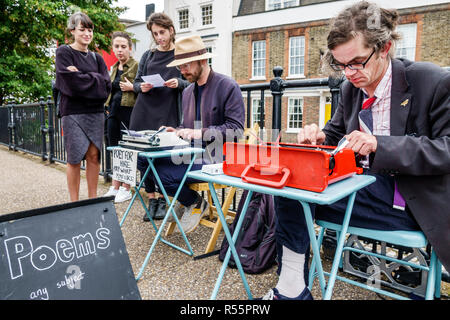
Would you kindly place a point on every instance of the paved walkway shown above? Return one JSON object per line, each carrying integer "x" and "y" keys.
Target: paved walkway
{"x": 27, "y": 183}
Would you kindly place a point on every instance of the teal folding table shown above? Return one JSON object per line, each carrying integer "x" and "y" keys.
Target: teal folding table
{"x": 179, "y": 155}
{"x": 333, "y": 193}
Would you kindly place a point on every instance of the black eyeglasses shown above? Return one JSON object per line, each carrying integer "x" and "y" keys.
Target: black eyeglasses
{"x": 351, "y": 66}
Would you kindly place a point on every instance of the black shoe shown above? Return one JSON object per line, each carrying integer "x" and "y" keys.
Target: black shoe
{"x": 161, "y": 209}
{"x": 152, "y": 206}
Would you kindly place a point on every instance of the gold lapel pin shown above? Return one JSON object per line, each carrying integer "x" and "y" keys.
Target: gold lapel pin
{"x": 404, "y": 103}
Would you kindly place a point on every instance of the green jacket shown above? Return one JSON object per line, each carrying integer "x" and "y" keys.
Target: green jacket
{"x": 129, "y": 71}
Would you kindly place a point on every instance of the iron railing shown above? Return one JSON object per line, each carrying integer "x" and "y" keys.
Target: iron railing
{"x": 35, "y": 128}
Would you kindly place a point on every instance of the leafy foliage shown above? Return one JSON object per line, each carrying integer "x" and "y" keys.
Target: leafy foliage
{"x": 28, "y": 31}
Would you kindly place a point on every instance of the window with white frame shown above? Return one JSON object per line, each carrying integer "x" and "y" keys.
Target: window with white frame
{"x": 297, "y": 56}
{"x": 209, "y": 49}
{"x": 183, "y": 19}
{"x": 207, "y": 15}
{"x": 256, "y": 111}
{"x": 280, "y": 4}
{"x": 406, "y": 46}
{"x": 295, "y": 113}
{"x": 259, "y": 59}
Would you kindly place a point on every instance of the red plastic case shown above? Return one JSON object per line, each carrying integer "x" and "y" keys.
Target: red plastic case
{"x": 299, "y": 166}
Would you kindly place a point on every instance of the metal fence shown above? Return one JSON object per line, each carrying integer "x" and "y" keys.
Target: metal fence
{"x": 35, "y": 128}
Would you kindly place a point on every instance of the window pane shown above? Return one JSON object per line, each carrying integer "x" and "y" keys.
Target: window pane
{"x": 406, "y": 46}
{"x": 295, "y": 113}
{"x": 183, "y": 18}
{"x": 297, "y": 55}
{"x": 207, "y": 15}
{"x": 259, "y": 58}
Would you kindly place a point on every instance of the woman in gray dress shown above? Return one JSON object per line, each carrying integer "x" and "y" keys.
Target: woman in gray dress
{"x": 84, "y": 84}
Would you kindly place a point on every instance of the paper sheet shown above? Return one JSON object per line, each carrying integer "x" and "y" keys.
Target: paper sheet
{"x": 155, "y": 79}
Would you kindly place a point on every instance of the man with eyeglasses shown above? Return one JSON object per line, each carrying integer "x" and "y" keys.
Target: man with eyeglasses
{"x": 396, "y": 116}
{"x": 213, "y": 112}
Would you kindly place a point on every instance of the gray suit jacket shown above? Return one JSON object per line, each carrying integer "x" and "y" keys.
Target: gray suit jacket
{"x": 417, "y": 152}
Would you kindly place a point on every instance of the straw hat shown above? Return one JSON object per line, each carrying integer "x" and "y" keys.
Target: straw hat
{"x": 189, "y": 49}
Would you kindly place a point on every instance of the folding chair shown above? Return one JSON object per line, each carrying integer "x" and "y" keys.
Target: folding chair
{"x": 412, "y": 239}
{"x": 250, "y": 136}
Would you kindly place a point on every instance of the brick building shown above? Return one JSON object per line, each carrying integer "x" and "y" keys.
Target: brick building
{"x": 292, "y": 34}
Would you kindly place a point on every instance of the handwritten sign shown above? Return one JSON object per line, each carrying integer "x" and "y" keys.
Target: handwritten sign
{"x": 70, "y": 251}
{"x": 124, "y": 165}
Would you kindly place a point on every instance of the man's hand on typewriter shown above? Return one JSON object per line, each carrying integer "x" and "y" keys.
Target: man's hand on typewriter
{"x": 311, "y": 134}
{"x": 189, "y": 134}
{"x": 362, "y": 143}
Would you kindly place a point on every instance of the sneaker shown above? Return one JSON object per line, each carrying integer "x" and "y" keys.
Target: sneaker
{"x": 273, "y": 294}
{"x": 152, "y": 206}
{"x": 192, "y": 216}
{"x": 111, "y": 192}
{"x": 160, "y": 209}
{"x": 123, "y": 195}
{"x": 179, "y": 210}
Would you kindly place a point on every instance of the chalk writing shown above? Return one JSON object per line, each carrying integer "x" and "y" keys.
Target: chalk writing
{"x": 39, "y": 294}
{"x": 20, "y": 249}
{"x": 74, "y": 280}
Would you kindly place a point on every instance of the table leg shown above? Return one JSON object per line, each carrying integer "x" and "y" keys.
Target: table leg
{"x": 136, "y": 193}
{"x": 231, "y": 242}
{"x": 314, "y": 245}
{"x": 170, "y": 211}
{"x": 339, "y": 247}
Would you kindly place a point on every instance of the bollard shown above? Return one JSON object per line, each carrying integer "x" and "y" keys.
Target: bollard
{"x": 277, "y": 88}
{"x": 51, "y": 130}
{"x": 43, "y": 128}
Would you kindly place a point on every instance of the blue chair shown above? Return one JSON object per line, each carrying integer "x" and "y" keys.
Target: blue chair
{"x": 412, "y": 239}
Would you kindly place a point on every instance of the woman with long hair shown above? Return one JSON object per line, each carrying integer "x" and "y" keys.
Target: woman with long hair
{"x": 159, "y": 106}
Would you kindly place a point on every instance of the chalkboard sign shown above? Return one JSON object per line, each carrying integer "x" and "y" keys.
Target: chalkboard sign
{"x": 71, "y": 251}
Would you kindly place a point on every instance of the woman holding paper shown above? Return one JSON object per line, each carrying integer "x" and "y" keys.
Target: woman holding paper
{"x": 157, "y": 105}
{"x": 83, "y": 81}
{"x": 120, "y": 102}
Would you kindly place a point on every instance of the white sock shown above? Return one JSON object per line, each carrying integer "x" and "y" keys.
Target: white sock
{"x": 291, "y": 282}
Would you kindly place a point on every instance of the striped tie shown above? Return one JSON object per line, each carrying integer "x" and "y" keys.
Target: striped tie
{"x": 365, "y": 116}
{"x": 366, "y": 125}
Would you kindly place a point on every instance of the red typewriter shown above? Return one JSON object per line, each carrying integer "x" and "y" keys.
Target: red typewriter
{"x": 302, "y": 166}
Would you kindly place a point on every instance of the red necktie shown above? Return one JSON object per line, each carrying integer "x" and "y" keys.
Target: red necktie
{"x": 368, "y": 103}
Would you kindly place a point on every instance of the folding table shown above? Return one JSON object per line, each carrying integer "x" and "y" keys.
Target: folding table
{"x": 191, "y": 153}
{"x": 331, "y": 194}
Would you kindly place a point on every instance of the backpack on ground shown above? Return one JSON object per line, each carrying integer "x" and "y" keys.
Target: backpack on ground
{"x": 255, "y": 244}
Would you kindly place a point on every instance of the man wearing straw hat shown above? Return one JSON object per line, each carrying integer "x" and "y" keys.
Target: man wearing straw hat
{"x": 213, "y": 112}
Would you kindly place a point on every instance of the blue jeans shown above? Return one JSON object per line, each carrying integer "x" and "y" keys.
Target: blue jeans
{"x": 142, "y": 165}
{"x": 171, "y": 175}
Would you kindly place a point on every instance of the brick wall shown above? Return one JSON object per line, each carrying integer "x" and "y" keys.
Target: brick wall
{"x": 435, "y": 45}
{"x": 432, "y": 44}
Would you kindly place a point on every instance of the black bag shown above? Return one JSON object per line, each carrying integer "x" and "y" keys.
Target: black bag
{"x": 255, "y": 244}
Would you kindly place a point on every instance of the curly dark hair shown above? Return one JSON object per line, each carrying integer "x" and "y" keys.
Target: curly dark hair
{"x": 375, "y": 24}
{"x": 162, "y": 20}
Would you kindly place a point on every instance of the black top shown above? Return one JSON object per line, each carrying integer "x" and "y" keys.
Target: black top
{"x": 86, "y": 90}
{"x": 116, "y": 94}
{"x": 158, "y": 106}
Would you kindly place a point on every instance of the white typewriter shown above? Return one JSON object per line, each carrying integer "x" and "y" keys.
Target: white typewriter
{"x": 151, "y": 140}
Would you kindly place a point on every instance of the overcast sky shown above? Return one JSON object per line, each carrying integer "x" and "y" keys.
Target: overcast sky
{"x": 136, "y": 9}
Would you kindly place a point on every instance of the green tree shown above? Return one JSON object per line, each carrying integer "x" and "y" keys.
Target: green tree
{"x": 28, "y": 28}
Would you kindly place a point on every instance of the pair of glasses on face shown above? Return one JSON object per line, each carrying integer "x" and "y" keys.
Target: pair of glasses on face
{"x": 351, "y": 66}
{"x": 184, "y": 66}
